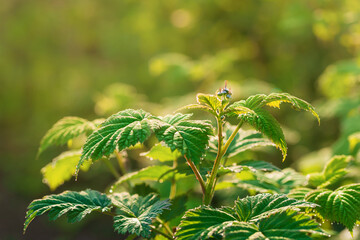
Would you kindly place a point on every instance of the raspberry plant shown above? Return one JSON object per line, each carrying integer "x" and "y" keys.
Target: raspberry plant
{"x": 280, "y": 204}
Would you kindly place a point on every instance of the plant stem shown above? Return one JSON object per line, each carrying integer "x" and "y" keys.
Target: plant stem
{"x": 161, "y": 233}
{"x": 173, "y": 182}
{"x": 232, "y": 136}
{"x": 111, "y": 168}
{"x": 211, "y": 182}
{"x": 166, "y": 226}
{"x": 210, "y": 187}
{"x": 120, "y": 160}
{"x": 197, "y": 174}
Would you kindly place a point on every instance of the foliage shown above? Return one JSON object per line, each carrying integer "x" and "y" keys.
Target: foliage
{"x": 135, "y": 213}
{"x": 188, "y": 149}
{"x": 341, "y": 205}
{"x": 62, "y": 168}
{"x": 65, "y": 130}
{"x": 251, "y": 216}
{"x": 76, "y": 205}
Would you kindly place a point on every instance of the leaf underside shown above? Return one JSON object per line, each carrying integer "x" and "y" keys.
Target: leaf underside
{"x": 64, "y": 130}
{"x": 62, "y": 168}
{"x": 76, "y": 205}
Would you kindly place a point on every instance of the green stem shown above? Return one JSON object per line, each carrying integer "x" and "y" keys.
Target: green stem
{"x": 232, "y": 136}
{"x": 211, "y": 182}
{"x": 166, "y": 226}
{"x": 121, "y": 163}
{"x": 161, "y": 233}
{"x": 111, "y": 168}
{"x": 197, "y": 174}
{"x": 210, "y": 187}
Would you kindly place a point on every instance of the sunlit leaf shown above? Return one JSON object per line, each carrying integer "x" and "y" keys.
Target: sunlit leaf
{"x": 64, "y": 130}
{"x": 341, "y": 205}
{"x": 286, "y": 225}
{"x": 162, "y": 153}
{"x": 62, "y": 168}
{"x": 151, "y": 173}
{"x": 333, "y": 172}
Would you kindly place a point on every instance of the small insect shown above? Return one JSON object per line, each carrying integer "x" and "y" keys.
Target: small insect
{"x": 224, "y": 92}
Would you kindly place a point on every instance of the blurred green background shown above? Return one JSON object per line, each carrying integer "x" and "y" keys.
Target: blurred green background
{"x": 92, "y": 58}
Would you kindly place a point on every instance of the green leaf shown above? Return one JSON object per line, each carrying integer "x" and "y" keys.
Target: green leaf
{"x": 65, "y": 130}
{"x": 189, "y": 137}
{"x": 177, "y": 208}
{"x": 76, "y": 205}
{"x": 275, "y": 182}
{"x": 249, "y": 165}
{"x": 135, "y": 213}
{"x": 203, "y": 223}
{"x": 119, "y": 131}
{"x": 265, "y": 123}
{"x": 236, "y": 110}
{"x": 250, "y": 111}
{"x": 286, "y": 225}
{"x": 62, "y": 168}
{"x": 244, "y": 140}
{"x": 333, "y": 172}
{"x": 299, "y": 193}
{"x": 197, "y": 107}
{"x": 211, "y": 101}
{"x": 256, "y": 217}
{"x": 275, "y": 99}
{"x": 341, "y": 205}
{"x": 151, "y": 173}
{"x": 261, "y": 206}
{"x": 162, "y": 153}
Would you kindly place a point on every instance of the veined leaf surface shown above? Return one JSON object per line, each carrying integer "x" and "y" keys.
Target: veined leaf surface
{"x": 119, "y": 131}
{"x": 135, "y": 213}
{"x": 257, "y": 217}
{"x": 76, "y": 205}
{"x": 341, "y": 205}
{"x": 189, "y": 137}
{"x": 66, "y": 129}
